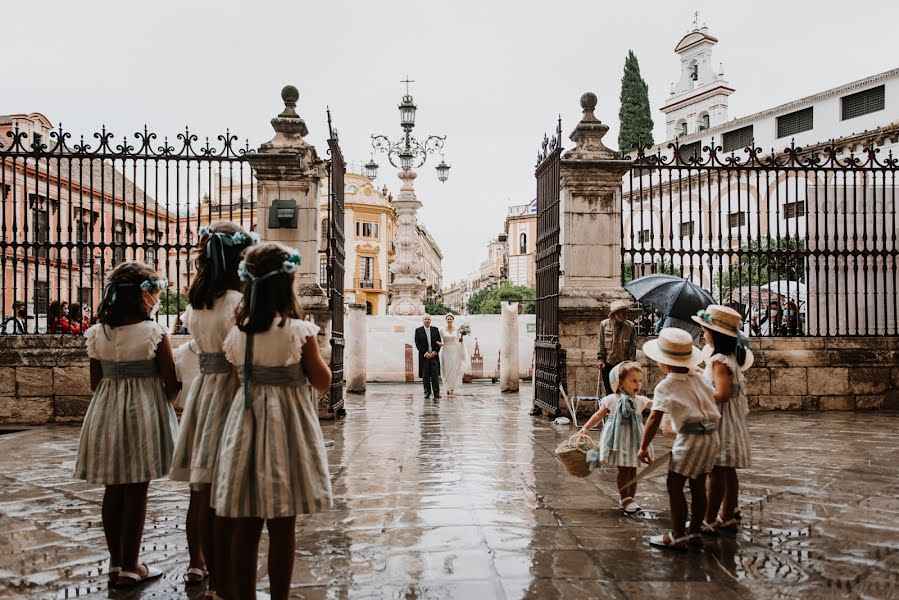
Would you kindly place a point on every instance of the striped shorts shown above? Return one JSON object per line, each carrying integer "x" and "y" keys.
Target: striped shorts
{"x": 693, "y": 454}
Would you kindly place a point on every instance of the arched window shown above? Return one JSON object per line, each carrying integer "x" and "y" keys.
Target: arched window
{"x": 324, "y": 235}
{"x": 694, "y": 71}
{"x": 682, "y": 128}
{"x": 368, "y": 308}
{"x": 523, "y": 244}
{"x": 704, "y": 121}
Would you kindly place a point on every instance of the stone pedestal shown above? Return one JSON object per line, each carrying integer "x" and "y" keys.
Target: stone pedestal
{"x": 355, "y": 349}
{"x": 407, "y": 287}
{"x": 590, "y": 237}
{"x": 508, "y": 354}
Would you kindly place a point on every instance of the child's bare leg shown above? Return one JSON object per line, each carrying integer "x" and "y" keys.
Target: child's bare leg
{"x": 281, "y": 555}
{"x": 196, "y": 525}
{"x": 134, "y": 513}
{"x": 716, "y": 494}
{"x": 113, "y": 501}
{"x": 678, "y": 503}
{"x": 245, "y": 557}
{"x": 698, "y": 503}
{"x": 223, "y": 575}
{"x": 626, "y": 474}
{"x": 731, "y": 493}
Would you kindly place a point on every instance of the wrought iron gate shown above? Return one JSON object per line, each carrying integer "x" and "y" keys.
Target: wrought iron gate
{"x": 549, "y": 360}
{"x": 335, "y": 259}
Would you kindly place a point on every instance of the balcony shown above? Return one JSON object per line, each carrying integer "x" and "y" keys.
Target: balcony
{"x": 367, "y": 284}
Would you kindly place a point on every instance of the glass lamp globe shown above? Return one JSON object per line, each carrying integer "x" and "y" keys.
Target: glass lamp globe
{"x": 371, "y": 169}
{"x": 407, "y": 113}
{"x": 442, "y": 170}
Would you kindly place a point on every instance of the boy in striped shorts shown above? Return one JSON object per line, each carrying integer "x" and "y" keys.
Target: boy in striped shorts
{"x": 690, "y": 403}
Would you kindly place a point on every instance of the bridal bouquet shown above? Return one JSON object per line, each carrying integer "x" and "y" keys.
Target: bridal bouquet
{"x": 465, "y": 330}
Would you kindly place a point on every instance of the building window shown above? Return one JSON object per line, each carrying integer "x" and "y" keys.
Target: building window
{"x": 41, "y": 230}
{"x": 694, "y": 71}
{"x": 324, "y": 237}
{"x": 704, "y": 122}
{"x": 795, "y": 122}
{"x": 523, "y": 244}
{"x": 367, "y": 229}
{"x": 683, "y": 128}
{"x": 118, "y": 240}
{"x": 688, "y": 152}
{"x": 4, "y": 191}
{"x": 367, "y": 271}
{"x": 38, "y": 140}
{"x": 686, "y": 229}
{"x": 737, "y": 219}
{"x": 41, "y": 297}
{"x": 151, "y": 238}
{"x": 83, "y": 236}
{"x": 737, "y": 139}
{"x": 85, "y": 296}
{"x": 645, "y": 236}
{"x": 793, "y": 210}
{"x": 323, "y": 272}
{"x": 863, "y": 103}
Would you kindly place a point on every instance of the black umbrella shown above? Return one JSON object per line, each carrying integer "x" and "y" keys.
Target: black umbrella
{"x": 672, "y": 295}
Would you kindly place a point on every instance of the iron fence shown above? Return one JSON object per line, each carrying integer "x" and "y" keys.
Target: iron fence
{"x": 801, "y": 242}
{"x": 335, "y": 265}
{"x": 70, "y": 211}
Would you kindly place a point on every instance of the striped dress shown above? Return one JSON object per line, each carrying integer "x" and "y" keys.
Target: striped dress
{"x": 128, "y": 434}
{"x": 210, "y": 395}
{"x": 734, "y": 449}
{"x": 628, "y": 445}
{"x": 688, "y": 399}
{"x": 272, "y": 461}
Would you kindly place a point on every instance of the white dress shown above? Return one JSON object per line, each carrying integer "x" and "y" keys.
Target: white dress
{"x": 628, "y": 446}
{"x": 272, "y": 461}
{"x": 734, "y": 449}
{"x": 129, "y": 431}
{"x": 452, "y": 359}
{"x": 210, "y": 395}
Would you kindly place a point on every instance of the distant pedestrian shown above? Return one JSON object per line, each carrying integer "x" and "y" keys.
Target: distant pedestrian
{"x": 617, "y": 340}
{"x": 58, "y": 318}
{"x": 689, "y": 401}
{"x": 15, "y": 323}
{"x": 80, "y": 316}
{"x": 130, "y": 427}
{"x": 272, "y": 464}
{"x": 213, "y": 298}
{"x": 623, "y": 429}
{"x": 730, "y": 356}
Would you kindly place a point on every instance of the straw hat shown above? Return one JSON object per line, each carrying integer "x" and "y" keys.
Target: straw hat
{"x": 618, "y": 305}
{"x": 720, "y": 318}
{"x": 674, "y": 347}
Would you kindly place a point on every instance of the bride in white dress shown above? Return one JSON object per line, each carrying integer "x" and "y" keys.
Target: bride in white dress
{"x": 452, "y": 356}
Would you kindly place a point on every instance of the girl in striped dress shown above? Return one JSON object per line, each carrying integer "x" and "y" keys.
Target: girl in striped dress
{"x": 213, "y": 297}
{"x": 272, "y": 463}
{"x": 129, "y": 430}
{"x": 623, "y": 429}
{"x": 729, "y": 357}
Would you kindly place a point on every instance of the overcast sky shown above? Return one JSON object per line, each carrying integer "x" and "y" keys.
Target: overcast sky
{"x": 490, "y": 75}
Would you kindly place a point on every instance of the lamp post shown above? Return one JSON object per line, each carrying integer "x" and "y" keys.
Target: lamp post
{"x": 407, "y": 154}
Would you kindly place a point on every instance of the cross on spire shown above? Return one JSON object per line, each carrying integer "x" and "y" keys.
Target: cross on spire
{"x": 695, "y": 19}
{"x": 407, "y": 81}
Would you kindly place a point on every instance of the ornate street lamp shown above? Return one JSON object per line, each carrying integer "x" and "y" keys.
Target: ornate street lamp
{"x": 407, "y": 154}
{"x": 371, "y": 169}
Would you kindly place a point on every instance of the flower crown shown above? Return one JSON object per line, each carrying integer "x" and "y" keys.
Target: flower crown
{"x": 151, "y": 283}
{"x": 238, "y": 238}
{"x": 288, "y": 266}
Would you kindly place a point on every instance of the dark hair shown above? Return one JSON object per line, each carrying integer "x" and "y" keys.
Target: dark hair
{"x": 54, "y": 311}
{"x": 274, "y": 296}
{"x": 123, "y": 296}
{"x": 75, "y": 312}
{"x": 208, "y": 285}
{"x": 726, "y": 344}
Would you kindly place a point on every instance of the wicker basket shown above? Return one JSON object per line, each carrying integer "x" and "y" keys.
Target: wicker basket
{"x": 573, "y": 454}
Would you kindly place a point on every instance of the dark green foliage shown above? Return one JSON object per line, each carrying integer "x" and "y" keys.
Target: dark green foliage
{"x": 634, "y": 116}
{"x": 437, "y": 309}
{"x": 665, "y": 267}
{"x": 755, "y": 266}
{"x": 488, "y": 301}
{"x": 172, "y": 303}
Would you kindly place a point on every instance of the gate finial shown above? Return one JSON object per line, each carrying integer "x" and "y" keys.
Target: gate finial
{"x": 588, "y": 134}
{"x": 290, "y": 95}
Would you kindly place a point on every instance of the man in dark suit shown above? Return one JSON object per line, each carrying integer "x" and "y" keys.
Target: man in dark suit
{"x": 427, "y": 340}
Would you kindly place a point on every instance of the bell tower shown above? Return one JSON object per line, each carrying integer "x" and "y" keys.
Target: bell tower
{"x": 699, "y": 98}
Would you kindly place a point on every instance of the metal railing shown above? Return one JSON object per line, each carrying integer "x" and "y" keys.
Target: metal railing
{"x": 801, "y": 242}
{"x": 366, "y": 284}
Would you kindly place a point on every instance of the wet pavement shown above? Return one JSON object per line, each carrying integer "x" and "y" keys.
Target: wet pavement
{"x": 463, "y": 498}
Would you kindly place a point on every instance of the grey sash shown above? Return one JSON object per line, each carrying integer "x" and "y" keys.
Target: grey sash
{"x": 213, "y": 362}
{"x": 697, "y": 427}
{"x": 289, "y": 375}
{"x": 131, "y": 368}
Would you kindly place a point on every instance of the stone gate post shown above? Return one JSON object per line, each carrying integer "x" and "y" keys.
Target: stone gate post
{"x": 354, "y": 359}
{"x": 288, "y": 173}
{"x": 590, "y": 237}
{"x": 508, "y": 357}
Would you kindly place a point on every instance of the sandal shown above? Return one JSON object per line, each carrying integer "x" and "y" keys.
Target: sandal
{"x": 729, "y": 526}
{"x": 668, "y": 541}
{"x": 200, "y": 576}
{"x": 694, "y": 540}
{"x": 132, "y": 579}
{"x": 113, "y": 575}
{"x": 710, "y": 528}
{"x": 629, "y": 506}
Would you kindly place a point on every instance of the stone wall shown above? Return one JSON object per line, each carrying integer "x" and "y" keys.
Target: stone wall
{"x": 805, "y": 373}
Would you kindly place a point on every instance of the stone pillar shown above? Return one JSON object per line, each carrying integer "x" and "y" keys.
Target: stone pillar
{"x": 355, "y": 349}
{"x": 508, "y": 355}
{"x": 591, "y": 245}
{"x": 288, "y": 168}
{"x": 407, "y": 287}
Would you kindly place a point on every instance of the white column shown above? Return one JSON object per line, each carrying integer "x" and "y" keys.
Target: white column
{"x": 407, "y": 288}
{"x": 508, "y": 354}
{"x": 354, "y": 357}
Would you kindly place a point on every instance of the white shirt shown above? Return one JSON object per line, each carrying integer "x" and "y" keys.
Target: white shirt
{"x": 610, "y": 402}
{"x": 686, "y": 398}
{"x": 428, "y": 335}
{"x": 14, "y": 325}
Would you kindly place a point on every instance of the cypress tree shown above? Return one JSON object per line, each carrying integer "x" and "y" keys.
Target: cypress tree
{"x": 634, "y": 116}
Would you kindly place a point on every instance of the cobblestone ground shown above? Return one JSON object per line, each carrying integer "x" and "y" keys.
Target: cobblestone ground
{"x": 463, "y": 498}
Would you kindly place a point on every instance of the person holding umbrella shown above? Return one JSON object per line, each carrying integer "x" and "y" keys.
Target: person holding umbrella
{"x": 617, "y": 340}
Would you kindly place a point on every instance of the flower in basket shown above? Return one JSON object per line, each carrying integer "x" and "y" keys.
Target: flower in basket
{"x": 465, "y": 330}
{"x": 593, "y": 458}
